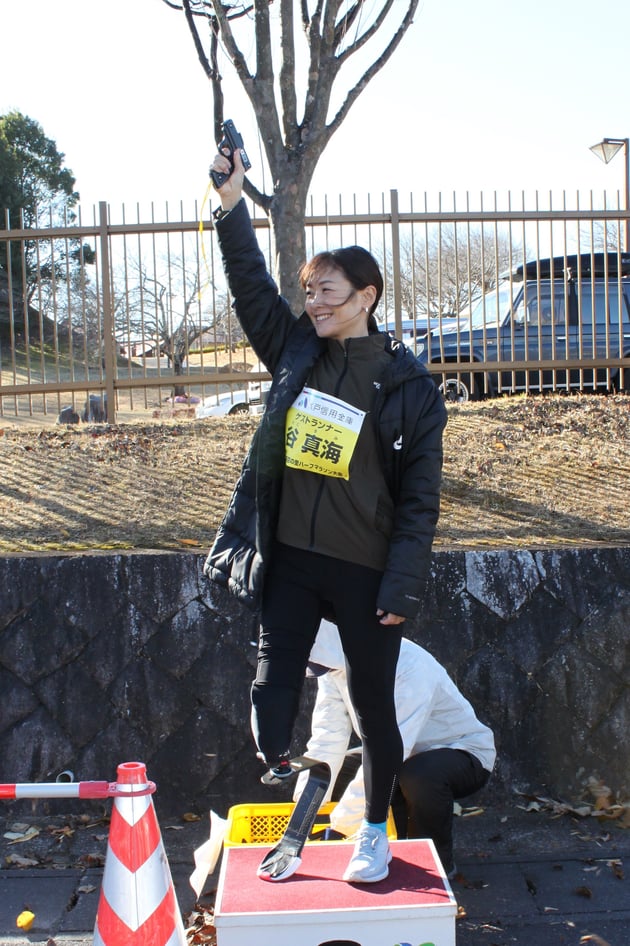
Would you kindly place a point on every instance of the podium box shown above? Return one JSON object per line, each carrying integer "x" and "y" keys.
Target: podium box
{"x": 414, "y": 906}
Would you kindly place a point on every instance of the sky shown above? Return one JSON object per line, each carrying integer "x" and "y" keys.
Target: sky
{"x": 482, "y": 96}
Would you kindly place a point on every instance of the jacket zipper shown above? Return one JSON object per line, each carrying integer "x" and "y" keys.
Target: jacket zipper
{"x": 322, "y": 485}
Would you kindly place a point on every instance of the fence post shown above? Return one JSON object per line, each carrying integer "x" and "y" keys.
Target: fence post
{"x": 109, "y": 347}
{"x": 393, "y": 201}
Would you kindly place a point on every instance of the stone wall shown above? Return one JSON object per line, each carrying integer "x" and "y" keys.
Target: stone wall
{"x": 113, "y": 658}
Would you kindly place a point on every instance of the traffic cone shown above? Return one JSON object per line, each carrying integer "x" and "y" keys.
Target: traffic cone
{"x": 137, "y": 906}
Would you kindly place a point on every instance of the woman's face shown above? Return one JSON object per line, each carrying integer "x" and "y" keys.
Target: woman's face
{"x": 335, "y": 307}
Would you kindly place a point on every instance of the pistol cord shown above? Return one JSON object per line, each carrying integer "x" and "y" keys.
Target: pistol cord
{"x": 204, "y": 202}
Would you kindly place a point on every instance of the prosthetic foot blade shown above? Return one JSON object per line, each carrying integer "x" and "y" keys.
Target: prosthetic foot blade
{"x": 278, "y": 865}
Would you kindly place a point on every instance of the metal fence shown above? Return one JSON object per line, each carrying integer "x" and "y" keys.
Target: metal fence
{"x": 123, "y": 319}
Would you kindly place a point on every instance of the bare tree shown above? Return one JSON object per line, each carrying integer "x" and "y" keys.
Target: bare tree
{"x": 263, "y": 44}
{"x": 166, "y": 309}
{"x": 603, "y": 236}
{"x": 449, "y": 268}
{"x": 225, "y": 326}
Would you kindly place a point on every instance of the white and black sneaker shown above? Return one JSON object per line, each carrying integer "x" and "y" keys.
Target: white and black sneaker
{"x": 371, "y": 857}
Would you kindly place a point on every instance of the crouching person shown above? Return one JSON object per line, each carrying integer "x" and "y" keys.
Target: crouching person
{"x": 448, "y": 753}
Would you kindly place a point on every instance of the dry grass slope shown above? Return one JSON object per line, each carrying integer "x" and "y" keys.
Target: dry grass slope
{"x": 518, "y": 472}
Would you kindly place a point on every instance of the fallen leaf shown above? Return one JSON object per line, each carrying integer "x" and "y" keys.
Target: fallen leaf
{"x": 471, "y": 812}
{"x": 94, "y": 859}
{"x": 584, "y": 892}
{"x": 14, "y": 838}
{"x": 603, "y": 801}
{"x": 61, "y": 833}
{"x": 617, "y": 868}
{"x": 16, "y": 861}
{"x": 611, "y": 812}
{"x": 532, "y": 806}
{"x": 583, "y": 811}
{"x": 191, "y": 816}
{"x": 600, "y": 791}
{"x": 18, "y": 827}
{"x": 200, "y": 928}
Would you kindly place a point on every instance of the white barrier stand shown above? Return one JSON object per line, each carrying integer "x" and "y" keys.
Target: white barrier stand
{"x": 415, "y": 906}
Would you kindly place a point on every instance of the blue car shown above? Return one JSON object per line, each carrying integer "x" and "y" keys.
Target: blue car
{"x": 549, "y": 313}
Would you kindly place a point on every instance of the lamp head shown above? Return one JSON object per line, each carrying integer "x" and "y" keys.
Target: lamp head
{"x": 608, "y": 148}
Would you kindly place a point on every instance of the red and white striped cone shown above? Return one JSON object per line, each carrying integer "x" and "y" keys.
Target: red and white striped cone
{"x": 137, "y": 906}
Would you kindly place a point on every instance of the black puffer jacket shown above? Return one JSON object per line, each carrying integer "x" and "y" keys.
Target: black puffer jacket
{"x": 409, "y": 417}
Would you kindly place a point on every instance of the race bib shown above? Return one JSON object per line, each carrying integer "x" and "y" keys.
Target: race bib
{"x": 321, "y": 434}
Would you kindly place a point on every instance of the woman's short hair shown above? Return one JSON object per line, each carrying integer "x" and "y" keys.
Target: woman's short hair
{"x": 358, "y": 266}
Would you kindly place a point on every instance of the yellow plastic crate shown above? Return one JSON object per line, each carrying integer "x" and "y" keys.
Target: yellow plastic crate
{"x": 265, "y": 824}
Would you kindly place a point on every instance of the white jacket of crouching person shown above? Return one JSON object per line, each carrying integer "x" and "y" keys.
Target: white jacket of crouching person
{"x": 431, "y": 713}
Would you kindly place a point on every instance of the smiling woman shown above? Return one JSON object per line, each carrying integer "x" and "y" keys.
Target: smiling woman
{"x": 342, "y": 289}
{"x": 345, "y": 470}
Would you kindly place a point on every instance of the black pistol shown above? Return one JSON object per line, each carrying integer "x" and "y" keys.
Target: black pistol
{"x": 231, "y": 141}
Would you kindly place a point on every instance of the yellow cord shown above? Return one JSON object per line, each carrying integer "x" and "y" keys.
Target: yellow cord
{"x": 205, "y": 201}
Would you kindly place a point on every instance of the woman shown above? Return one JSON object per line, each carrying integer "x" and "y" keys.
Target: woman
{"x": 336, "y": 507}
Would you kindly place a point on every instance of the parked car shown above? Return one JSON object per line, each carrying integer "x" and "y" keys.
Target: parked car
{"x": 249, "y": 400}
{"x": 415, "y": 330}
{"x": 553, "y": 310}
{"x": 257, "y": 392}
{"x": 220, "y": 405}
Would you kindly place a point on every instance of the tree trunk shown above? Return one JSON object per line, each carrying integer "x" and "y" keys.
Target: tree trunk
{"x": 179, "y": 390}
{"x": 289, "y": 242}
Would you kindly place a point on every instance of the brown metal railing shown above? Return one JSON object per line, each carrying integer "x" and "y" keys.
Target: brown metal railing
{"x": 148, "y": 325}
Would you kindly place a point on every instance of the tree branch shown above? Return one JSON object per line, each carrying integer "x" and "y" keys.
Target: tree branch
{"x": 264, "y": 62}
{"x": 347, "y": 21}
{"x": 287, "y": 75}
{"x": 319, "y": 76}
{"x": 376, "y": 66}
{"x": 370, "y": 31}
{"x": 201, "y": 55}
{"x": 234, "y": 53}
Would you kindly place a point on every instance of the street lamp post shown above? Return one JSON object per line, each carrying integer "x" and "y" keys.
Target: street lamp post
{"x": 606, "y": 151}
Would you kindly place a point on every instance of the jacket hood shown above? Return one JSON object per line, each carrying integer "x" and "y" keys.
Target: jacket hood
{"x": 405, "y": 365}
{"x": 327, "y": 650}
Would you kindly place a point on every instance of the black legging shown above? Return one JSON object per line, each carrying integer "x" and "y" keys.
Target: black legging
{"x": 300, "y": 588}
{"x": 429, "y": 784}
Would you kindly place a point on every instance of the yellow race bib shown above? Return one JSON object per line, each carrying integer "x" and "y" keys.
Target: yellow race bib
{"x": 321, "y": 434}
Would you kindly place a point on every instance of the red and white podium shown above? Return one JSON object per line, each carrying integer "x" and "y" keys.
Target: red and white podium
{"x": 414, "y": 906}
